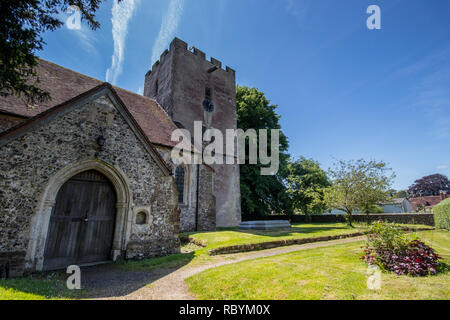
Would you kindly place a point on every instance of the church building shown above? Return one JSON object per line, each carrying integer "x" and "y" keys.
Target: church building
{"x": 87, "y": 177}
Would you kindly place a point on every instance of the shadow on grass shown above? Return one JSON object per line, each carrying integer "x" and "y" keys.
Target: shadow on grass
{"x": 103, "y": 281}
{"x": 38, "y": 287}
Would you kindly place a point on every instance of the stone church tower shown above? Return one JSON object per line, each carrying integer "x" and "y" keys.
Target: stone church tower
{"x": 191, "y": 88}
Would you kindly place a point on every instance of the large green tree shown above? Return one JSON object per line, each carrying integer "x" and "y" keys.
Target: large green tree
{"x": 306, "y": 183}
{"x": 22, "y": 24}
{"x": 261, "y": 194}
{"x": 358, "y": 184}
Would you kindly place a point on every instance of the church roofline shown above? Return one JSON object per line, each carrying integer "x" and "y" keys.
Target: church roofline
{"x": 90, "y": 95}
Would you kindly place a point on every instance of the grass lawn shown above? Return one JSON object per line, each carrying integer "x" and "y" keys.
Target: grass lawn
{"x": 322, "y": 273}
{"x": 53, "y": 286}
{"x": 233, "y": 236}
{"x": 37, "y": 288}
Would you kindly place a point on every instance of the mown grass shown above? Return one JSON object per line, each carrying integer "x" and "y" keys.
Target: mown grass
{"x": 322, "y": 273}
{"x": 38, "y": 287}
{"x": 233, "y": 236}
{"x": 53, "y": 286}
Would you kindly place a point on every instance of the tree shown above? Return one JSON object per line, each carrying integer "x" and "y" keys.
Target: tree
{"x": 430, "y": 185}
{"x": 357, "y": 184}
{"x": 261, "y": 195}
{"x": 306, "y": 183}
{"x": 401, "y": 194}
{"x": 22, "y": 24}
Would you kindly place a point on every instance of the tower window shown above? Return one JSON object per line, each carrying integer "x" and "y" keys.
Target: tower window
{"x": 179, "y": 181}
{"x": 208, "y": 93}
{"x": 156, "y": 87}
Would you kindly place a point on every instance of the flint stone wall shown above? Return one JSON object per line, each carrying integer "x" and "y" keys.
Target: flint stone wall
{"x": 207, "y": 200}
{"x": 406, "y": 218}
{"x": 29, "y": 161}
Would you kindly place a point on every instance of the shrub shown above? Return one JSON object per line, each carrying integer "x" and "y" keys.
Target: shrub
{"x": 383, "y": 235}
{"x": 373, "y": 208}
{"x": 390, "y": 249}
{"x": 442, "y": 214}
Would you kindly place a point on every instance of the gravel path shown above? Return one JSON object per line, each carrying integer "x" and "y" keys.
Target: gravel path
{"x": 168, "y": 284}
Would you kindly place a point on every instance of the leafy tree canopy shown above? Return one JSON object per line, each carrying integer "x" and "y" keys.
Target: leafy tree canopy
{"x": 261, "y": 195}
{"x": 429, "y": 186}
{"x": 306, "y": 182}
{"x": 22, "y": 23}
{"x": 358, "y": 184}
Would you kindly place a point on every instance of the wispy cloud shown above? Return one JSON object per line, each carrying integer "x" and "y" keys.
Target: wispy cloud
{"x": 296, "y": 8}
{"x": 432, "y": 98}
{"x": 86, "y": 38}
{"x": 121, "y": 15}
{"x": 169, "y": 26}
{"x": 442, "y": 167}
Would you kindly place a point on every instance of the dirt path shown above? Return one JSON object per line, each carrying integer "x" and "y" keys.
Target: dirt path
{"x": 166, "y": 284}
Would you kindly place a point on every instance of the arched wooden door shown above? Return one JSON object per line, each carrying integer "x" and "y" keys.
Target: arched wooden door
{"x": 81, "y": 228}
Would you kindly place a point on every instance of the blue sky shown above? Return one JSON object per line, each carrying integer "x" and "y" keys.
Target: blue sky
{"x": 344, "y": 91}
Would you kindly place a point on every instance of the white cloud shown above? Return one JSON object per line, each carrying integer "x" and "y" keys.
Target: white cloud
{"x": 442, "y": 167}
{"x": 87, "y": 39}
{"x": 121, "y": 15}
{"x": 169, "y": 26}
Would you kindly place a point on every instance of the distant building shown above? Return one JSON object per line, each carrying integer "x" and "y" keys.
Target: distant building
{"x": 427, "y": 202}
{"x": 398, "y": 205}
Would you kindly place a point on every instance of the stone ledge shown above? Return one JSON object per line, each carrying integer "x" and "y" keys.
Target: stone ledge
{"x": 189, "y": 239}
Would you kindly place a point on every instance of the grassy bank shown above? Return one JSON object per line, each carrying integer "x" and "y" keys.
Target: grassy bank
{"x": 323, "y": 273}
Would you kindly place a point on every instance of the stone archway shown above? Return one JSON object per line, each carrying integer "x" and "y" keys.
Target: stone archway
{"x": 40, "y": 221}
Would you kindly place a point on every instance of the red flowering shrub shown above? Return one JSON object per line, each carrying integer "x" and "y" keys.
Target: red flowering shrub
{"x": 417, "y": 260}
{"x": 388, "y": 248}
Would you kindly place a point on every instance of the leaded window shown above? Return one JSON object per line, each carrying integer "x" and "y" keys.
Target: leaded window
{"x": 179, "y": 181}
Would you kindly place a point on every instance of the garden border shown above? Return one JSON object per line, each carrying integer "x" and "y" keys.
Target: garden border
{"x": 289, "y": 242}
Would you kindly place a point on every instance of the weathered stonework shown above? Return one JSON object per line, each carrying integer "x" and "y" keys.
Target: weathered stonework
{"x": 8, "y": 121}
{"x": 178, "y": 82}
{"x": 207, "y": 200}
{"x": 31, "y": 160}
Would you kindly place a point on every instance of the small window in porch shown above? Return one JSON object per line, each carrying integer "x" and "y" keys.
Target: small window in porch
{"x": 141, "y": 218}
{"x": 179, "y": 181}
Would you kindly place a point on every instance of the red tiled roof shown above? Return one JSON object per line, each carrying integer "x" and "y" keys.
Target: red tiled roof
{"x": 426, "y": 201}
{"x": 64, "y": 84}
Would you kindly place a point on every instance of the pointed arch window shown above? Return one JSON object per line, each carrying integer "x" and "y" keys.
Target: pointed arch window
{"x": 179, "y": 181}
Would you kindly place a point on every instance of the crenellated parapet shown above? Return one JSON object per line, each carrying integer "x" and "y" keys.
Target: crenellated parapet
{"x": 180, "y": 45}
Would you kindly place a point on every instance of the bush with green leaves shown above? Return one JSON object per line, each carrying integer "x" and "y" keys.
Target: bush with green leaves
{"x": 442, "y": 215}
{"x": 387, "y": 236}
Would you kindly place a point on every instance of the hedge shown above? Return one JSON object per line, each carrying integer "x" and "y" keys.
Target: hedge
{"x": 442, "y": 214}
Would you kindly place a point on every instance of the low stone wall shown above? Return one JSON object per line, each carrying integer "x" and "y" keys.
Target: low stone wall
{"x": 406, "y": 218}
{"x": 188, "y": 239}
{"x": 11, "y": 264}
{"x": 277, "y": 243}
{"x": 290, "y": 242}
